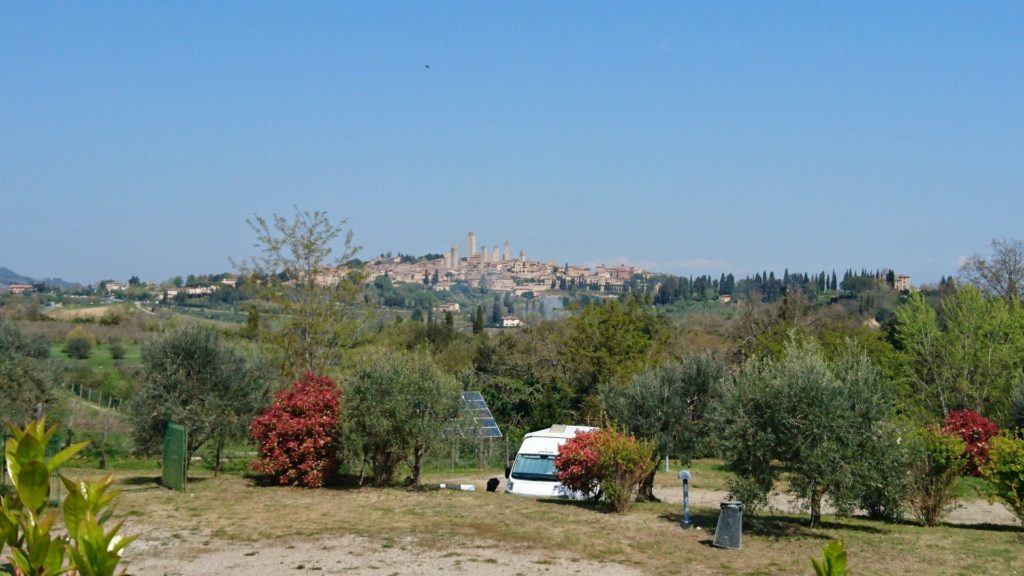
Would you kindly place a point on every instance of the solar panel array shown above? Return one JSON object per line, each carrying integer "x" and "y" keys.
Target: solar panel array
{"x": 474, "y": 406}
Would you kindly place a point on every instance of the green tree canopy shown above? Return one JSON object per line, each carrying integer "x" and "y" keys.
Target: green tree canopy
{"x": 192, "y": 378}
{"x": 665, "y": 405}
{"x": 974, "y": 359}
{"x": 608, "y": 342}
{"x": 396, "y": 404}
{"x": 813, "y": 419}
{"x": 27, "y": 382}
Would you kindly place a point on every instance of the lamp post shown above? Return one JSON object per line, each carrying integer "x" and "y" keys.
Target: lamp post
{"x": 684, "y": 475}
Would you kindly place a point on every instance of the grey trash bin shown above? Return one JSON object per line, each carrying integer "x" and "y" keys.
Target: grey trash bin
{"x": 729, "y": 532}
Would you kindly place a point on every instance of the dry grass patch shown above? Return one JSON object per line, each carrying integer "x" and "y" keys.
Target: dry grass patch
{"x": 234, "y": 511}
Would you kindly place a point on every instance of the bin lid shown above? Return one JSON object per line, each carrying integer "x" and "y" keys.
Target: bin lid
{"x": 732, "y": 504}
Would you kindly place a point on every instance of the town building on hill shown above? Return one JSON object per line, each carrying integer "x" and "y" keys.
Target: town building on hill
{"x": 19, "y": 288}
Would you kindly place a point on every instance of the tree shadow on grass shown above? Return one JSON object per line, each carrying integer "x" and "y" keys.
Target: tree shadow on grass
{"x": 592, "y": 505}
{"x": 140, "y": 482}
{"x": 149, "y": 482}
{"x": 985, "y": 526}
{"x": 348, "y": 482}
{"x": 772, "y": 525}
{"x": 336, "y": 482}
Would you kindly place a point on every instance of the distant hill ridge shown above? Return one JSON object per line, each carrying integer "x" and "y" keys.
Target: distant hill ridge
{"x": 8, "y": 276}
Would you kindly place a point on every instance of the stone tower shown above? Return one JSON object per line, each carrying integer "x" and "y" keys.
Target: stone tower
{"x": 471, "y": 238}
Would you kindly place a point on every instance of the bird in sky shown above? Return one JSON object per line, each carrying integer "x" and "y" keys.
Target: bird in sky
{"x": 427, "y": 65}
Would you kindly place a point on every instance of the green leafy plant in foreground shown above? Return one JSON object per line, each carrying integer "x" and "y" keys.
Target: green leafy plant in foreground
{"x": 834, "y": 561}
{"x": 26, "y": 523}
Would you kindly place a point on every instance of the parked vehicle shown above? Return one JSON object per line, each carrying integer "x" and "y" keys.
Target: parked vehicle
{"x": 533, "y": 472}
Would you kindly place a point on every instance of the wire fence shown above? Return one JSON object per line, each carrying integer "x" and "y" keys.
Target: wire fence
{"x": 95, "y": 396}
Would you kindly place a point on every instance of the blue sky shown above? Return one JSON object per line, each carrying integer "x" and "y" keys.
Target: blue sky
{"x": 136, "y": 138}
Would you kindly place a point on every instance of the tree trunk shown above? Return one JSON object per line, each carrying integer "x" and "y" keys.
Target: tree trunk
{"x": 645, "y": 493}
{"x": 815, "y": 508}
{"x": 417, "y": 458}
{"x": 216, "y": 457}
{"x": 103, "y": 451}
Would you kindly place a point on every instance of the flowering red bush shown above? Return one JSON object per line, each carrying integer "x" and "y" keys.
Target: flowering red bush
{"x": 976, "y": 431}
{"x": 297, "y": 435}
{"x": 605, "y": 459}
{"x": 578, "y": 463}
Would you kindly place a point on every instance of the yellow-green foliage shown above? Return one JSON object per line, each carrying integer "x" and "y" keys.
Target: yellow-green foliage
{"x": 1005, "y": 471}
{"x": 937, "y": 474}
{"x": 26, "y": 523}
{"x": 79, "y": 343}
{"x": 834, "y": 561}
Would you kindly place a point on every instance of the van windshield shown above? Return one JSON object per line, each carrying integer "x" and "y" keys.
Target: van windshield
{"x": 534, "y": 467}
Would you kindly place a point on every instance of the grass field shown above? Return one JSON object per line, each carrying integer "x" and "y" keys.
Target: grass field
{"x": 100, "y": 358}
{"x": 230, "y": 511}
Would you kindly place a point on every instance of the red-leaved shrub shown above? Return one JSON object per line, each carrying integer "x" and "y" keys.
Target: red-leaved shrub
{"x": 605, "y": 459}
{"x": 578, "y": 463}
{"x": 976, "y": 431}
{"x": 297, "y": 435}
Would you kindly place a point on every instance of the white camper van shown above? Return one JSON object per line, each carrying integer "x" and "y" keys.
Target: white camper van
{"x": 533, "y": 472}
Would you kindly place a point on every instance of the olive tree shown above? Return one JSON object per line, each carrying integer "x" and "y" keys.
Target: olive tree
{"x": 801, "y": 414}
{"x": 665, "y": 405}
{"x": 27, "y": 381}
{"x": 397, "y": 404}
{"x": 190, "y": 377}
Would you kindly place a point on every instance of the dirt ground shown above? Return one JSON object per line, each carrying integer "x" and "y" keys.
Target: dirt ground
{"x": 160, "y": 551}
{"x": 92, "y": 312}
{"x": 350, "y": 555}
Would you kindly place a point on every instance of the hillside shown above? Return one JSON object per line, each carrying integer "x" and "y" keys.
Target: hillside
{"x": 8, "y": 276}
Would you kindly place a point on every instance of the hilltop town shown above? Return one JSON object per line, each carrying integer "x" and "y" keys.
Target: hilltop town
{"x": 497, "y": 270}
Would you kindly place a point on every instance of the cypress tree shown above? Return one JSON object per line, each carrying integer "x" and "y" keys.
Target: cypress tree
{"x": 478, "y": 320}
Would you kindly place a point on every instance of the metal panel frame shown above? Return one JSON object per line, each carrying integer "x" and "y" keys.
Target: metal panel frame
{"x": 484, "y": 425}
